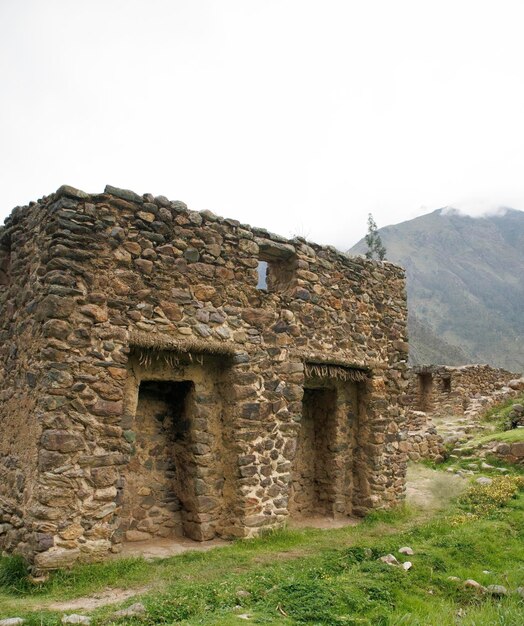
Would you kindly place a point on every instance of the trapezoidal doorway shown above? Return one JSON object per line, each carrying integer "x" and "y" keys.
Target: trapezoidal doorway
{"x": 327, "y": 470}
{"x": 175, "y": 483}
{"x": 313, "y": 487}
{"x": 156, "y": 503}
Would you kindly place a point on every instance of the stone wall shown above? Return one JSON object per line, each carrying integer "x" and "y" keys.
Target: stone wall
{"x": 441, "y": 390}
{"x": 423, "y": 439}
{"x": 149, "y": 388}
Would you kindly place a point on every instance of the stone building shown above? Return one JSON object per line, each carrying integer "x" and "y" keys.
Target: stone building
{"x": 167, "y": 373}
{"x": 443, "y": 389}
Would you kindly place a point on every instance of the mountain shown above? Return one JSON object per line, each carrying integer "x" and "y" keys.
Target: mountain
{"x": 465, "y": 281}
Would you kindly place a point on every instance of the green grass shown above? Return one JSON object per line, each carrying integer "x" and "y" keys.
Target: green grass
{"x": 507, "y": 436}
{"x": 313, "y": 576}
{"x": 498, "y": 414}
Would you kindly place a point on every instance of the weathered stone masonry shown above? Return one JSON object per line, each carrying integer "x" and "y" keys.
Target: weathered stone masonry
{"x": 442, "y": 390}
{"x": 149, "y": 388}
{"x": 446, "y": 390}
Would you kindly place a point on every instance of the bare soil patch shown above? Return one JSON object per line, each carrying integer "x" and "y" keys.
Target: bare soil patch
{"x": 160, "y": 548}
{"x": 432, "y": 490}
{"x": 103, "y": 598}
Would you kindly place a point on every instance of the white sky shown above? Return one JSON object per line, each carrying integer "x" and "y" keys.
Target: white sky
{"x": 297, "y": 115}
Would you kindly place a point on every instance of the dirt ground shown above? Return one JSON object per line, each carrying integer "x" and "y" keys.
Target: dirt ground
{"x": 431, "y": 490}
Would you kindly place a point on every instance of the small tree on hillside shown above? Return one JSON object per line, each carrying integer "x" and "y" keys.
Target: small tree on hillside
{"x": 374, "y": 242}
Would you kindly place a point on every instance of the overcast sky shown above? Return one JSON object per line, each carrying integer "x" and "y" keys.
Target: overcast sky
{"x": 297, "y": 115}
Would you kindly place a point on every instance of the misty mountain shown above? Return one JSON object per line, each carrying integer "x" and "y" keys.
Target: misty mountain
{"x": 465, "y": 281}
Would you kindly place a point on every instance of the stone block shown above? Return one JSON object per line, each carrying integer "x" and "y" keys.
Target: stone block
{"x": 56, "y": 558}
{"x": 62, "y": 441}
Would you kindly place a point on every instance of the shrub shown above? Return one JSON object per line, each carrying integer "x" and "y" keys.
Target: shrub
{"x": 484, "y": 500}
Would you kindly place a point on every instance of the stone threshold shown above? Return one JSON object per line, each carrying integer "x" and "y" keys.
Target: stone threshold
{"x": 162, "y": 548}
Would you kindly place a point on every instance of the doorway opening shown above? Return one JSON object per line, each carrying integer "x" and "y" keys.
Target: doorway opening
{"x": 425, "y": 390}
{"x": 327, "y": 474}
{"x": 314, "y": 489}
{"x": 156, "y": 499}
{"x": 179, "y": 480}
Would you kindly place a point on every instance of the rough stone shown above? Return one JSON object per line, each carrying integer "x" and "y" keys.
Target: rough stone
{"x": 62, "y": 441}
{"x": 497, "y": 590}
{"x": 484, "y": 480}
{"x": 473, "y": 584}
{"x": 390, "y": 559}
{"x": 74, "y": 618}
{"x": 442, "y": 392}
{"x": 56, "y": 558}
{"x": 137, "y": 535}
{"x": 131, "y": 611}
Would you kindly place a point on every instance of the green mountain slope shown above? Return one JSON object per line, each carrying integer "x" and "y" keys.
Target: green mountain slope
{"x": 465, "y": 285}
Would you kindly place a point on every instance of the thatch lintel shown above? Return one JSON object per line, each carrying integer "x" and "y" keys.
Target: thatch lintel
{"x": 336, "y": 371}
{"x": 160, "y": 342}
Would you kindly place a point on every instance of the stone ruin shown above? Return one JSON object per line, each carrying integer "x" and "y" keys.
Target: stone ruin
{"x": 442, "y": 390}
{"x": 168, "y": 373}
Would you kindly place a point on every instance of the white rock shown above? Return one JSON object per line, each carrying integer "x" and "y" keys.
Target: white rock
{"x": 244, "y": 616}
{"x": 473, "y": 584}
{"x": 484, "y": 480}
{"x": 486, "y": 466}
{"x": 390, "y": 559}
{"x": 76, "y": 619}
{"x": 12, "y": 621}
{"x": 406, "y": 550}
{"x": 407, "y": 565}
{"x": 135, "y": 609}
{"x": 454, "y": 578}
{"x": 516, "y": 384}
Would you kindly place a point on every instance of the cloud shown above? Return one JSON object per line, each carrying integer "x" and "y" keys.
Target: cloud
{"x": 477, "y": 208}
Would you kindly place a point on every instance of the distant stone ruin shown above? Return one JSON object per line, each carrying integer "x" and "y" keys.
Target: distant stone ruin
{"x": 151, "y": 385}
{"x": 440, "y": 390}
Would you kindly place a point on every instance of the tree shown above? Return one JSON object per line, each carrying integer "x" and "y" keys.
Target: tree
{"x": 374, "y": 242}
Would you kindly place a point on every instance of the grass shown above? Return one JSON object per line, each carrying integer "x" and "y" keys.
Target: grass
{"x": 497, "y": 417}
{"x": 498, "y": 414}
{"x": 507, "y": 436}
{"x": 317, "y": 577}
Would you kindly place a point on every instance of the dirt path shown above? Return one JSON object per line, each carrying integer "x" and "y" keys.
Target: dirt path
{"x": 103, "y": 598}
{"x": 432, "y": 490}
{"x": 164, "y": 548}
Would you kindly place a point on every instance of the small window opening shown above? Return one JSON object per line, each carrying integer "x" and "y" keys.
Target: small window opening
{"x": 262, "y": 275}
{"x": 446, "y": 384}
{"x": 276, "y": 269}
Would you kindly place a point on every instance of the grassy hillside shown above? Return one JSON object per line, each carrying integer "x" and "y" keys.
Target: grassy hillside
{"x": 465, "y": 284}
